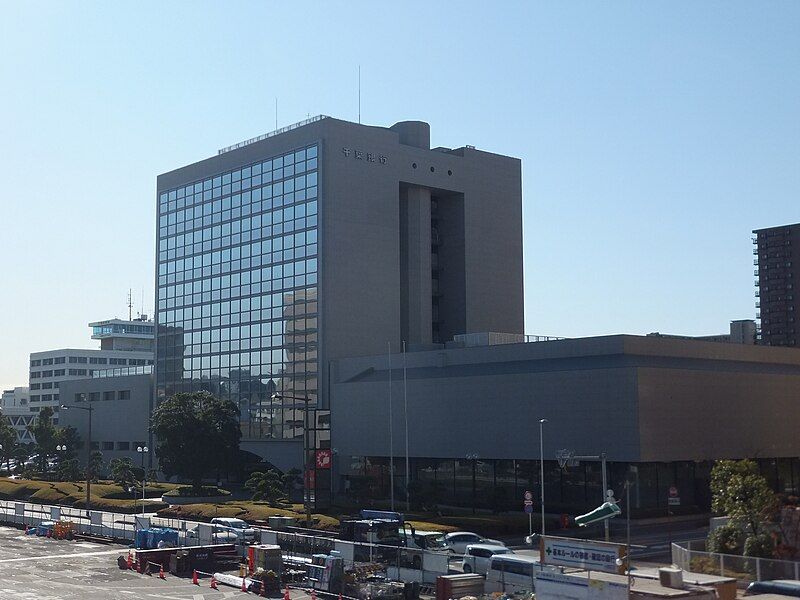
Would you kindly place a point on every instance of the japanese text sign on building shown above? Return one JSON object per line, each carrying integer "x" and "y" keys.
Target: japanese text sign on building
{"x": 582, "y": 554}
{"x": 364, "y": 156}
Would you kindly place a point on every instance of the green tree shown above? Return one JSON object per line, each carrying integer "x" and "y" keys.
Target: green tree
{"x": 740, "y": 492}
{"x": 268, "y": 486}
{"x": 196, "y": 434}
{"x": 67, "y": 436}
{"x": 44, "y": 432}
{"x": 124, "y": 473}
{"x": 8, "y": 441}
{"x": 95, "y": 465}
{"x": 68, "y": 469}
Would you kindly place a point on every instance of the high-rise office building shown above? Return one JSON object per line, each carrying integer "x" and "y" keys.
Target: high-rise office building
{"x": 323, "y": 240}
{"x": 777, "y": 270}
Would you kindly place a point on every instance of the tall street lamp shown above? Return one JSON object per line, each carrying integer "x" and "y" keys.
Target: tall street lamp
{"x": 89, "y": 409}
{"x": 142, "y": 450}
{"x": 541, "y": 466}
{"x": 305, "y": 401}
{"x": 61, "y": 449}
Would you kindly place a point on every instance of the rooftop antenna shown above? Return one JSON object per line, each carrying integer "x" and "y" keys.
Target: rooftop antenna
{"x": 359, "y": 94}
{"x": 130, "y": 304}
{"x": 276, "y": 113}
{"x": 143, "y": 311}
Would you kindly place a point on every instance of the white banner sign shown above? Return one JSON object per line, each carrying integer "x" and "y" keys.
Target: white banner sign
{"x": 554, "y": 586}
{"x": 582, "y": 554}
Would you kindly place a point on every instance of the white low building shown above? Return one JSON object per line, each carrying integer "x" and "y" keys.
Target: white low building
{"x": 15, "y": 406}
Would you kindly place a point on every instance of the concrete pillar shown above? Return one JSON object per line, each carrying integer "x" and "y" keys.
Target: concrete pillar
{"x": 415, "y": 265}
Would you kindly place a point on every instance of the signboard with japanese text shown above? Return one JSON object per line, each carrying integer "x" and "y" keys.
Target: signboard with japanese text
{"x": 566, "y": 586}
{"x": 582, "y": 554}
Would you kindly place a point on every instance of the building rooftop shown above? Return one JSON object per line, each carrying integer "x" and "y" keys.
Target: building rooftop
{"x": 139, "y": 328}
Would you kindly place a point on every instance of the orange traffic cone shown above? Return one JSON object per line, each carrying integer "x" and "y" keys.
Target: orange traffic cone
{"x": 195, "y": 580}
{"x": 340, "y": 595}
{"x": 244, "y": 584}
{"x": 286, "y": 594}
{"x": 213, "y": 582}
{"x": 263, "y": 588}
{"x": 161, "y": 573}
{"x": 130, "y": 561}
{"x": 313, "y": 595}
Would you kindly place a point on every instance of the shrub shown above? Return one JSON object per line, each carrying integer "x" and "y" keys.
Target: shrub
{"x": 207, "y": 491}
{"x": 761, "y": 546}
{"x": 727, "y": 539}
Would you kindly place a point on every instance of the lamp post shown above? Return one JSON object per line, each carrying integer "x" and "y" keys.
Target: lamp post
{"x": 541, "y": 466}
{"x": 142, "y": 450}
{"x": 305, "y": 400}
{"x": 61, "y": 449}
{"x": 89, "y": 410}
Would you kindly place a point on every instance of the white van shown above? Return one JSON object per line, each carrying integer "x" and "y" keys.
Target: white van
{"x": 514, "y": 573}
{"x": 478, "y": 556}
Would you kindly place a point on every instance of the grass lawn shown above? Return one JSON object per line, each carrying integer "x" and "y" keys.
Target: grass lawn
{"x": 247, "y": 510}
{"x": 105, "y": 494}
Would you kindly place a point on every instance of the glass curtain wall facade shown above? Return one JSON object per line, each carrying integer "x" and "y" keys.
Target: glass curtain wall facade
{"x": 495, "y": 484}
{"x": 237, "y": 290}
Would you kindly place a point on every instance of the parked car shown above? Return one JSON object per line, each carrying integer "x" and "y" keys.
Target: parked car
{"x": 220, "y": 535}
{"x": 458, "y": 541}
{"x": 512, "y": 573}
{"x": 422, "y": 540}
{"x": 782, "y": 587}
{"x": 478, "y": 556}
{"x": 237, "y": 526}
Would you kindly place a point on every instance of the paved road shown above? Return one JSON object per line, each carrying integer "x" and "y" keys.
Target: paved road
{"x": 45, "y": 569}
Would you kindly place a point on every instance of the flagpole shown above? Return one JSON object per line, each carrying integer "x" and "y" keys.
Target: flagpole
{"x": 405, "y": 403}
{"x": 391, "y": 435}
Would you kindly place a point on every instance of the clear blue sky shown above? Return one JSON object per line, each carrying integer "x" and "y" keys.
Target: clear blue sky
{"x": 654, "y": 137}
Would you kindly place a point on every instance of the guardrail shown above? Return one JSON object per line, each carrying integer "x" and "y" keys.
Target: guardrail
{"x": 407, "y": 564}
{"x": 689, "y": 557}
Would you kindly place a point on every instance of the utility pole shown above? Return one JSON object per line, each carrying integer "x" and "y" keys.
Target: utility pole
{"x": 541, "y": 466}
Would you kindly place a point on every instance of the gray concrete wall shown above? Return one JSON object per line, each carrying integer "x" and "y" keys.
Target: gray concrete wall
{"x": 113, "y": 420}
{"x": 638, "y": 399}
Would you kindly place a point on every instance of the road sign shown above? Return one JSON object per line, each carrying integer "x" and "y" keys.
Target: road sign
{"x": 528, "y": 495}
{"x": 582, "y": 554}
{"x": 673, "y": 492}
{"x": 564, "y": 457}
{"x": 529, "y": 508}
{"x": 673, "y": 501}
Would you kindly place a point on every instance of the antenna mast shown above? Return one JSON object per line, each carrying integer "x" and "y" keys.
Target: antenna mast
{"x": 130, "y": 304}
{"x": 359, "y": 94}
